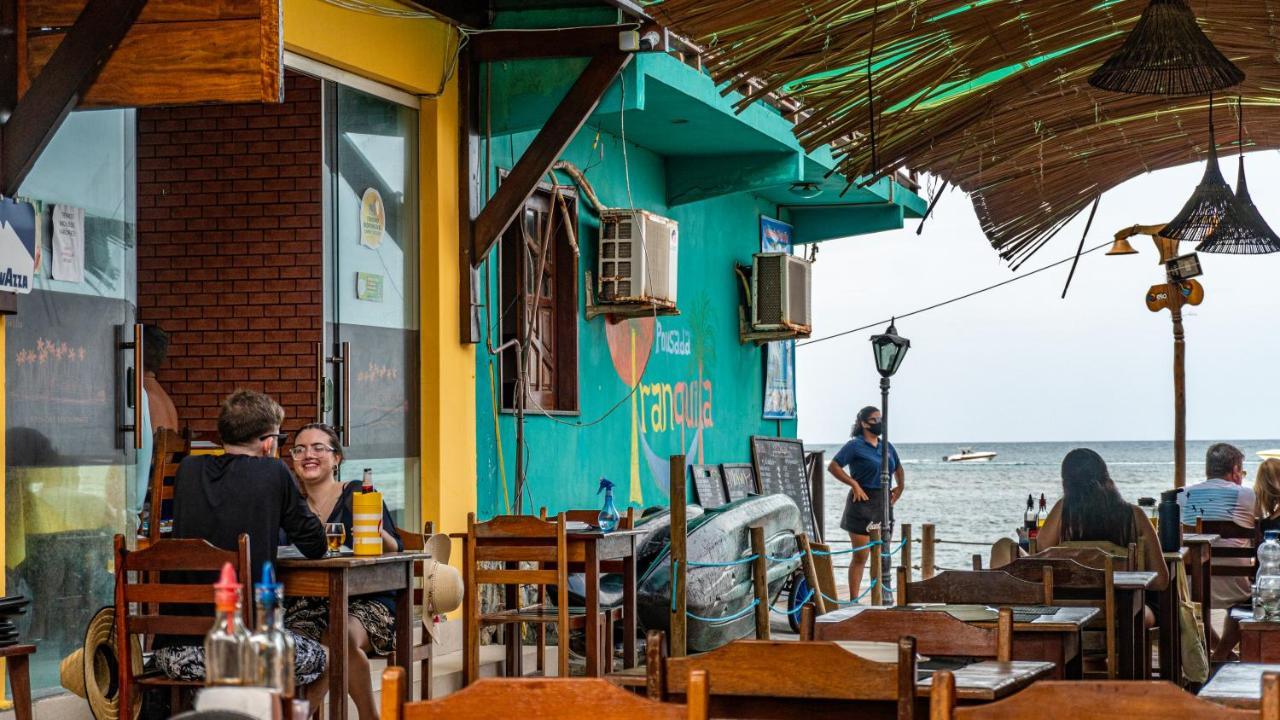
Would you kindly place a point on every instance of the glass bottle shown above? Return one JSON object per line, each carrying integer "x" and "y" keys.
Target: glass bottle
{"x": 1043, "y": 514}
{"x": 226, "y": 646}
{"x": 1266, "y": 586}
{"x": 1148, "y": 506}
{"x": 270, "y": 646}
{"x": 608, "y": 517}
{"x": 1029, "y": 517}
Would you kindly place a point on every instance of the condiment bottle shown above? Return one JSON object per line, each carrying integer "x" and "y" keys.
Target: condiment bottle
{"x": 226, "y": 646}
{"x": 271, "y": 649}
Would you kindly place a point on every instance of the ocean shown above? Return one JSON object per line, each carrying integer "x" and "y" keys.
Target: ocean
{"x": 981, "y": 502}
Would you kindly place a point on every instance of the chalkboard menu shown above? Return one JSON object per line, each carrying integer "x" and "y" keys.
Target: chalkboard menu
{"x": 739, "y": 480}
{"x": 708, "y": 486}
{"x": 779, "y": 463}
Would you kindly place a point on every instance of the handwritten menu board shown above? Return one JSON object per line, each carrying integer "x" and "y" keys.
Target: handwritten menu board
{"x": 739, "y": 480}
{"x": 708, "y": 486}
{"x": 779, "y": 463}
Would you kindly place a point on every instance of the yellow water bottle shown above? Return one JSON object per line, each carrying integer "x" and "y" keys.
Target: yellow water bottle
{"x": 366, "y": 518}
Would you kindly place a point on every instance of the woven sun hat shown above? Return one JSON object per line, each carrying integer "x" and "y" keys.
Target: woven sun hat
{"x": 91, "y": 671}
{"x": 442, "y": 582}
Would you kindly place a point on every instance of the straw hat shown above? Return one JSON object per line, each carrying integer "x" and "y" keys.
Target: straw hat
{"x": 443, "y": 582}
{"x": 98, "y": 660}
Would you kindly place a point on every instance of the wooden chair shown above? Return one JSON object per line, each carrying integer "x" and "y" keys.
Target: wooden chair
{"x": 1230, "y": 561}
{"x": 541, "y": 699}
{"x": 936, "y": 633}
{"x": 136, "y": 599}
{"x": 1073, "y": 583}
{"x": 973, "y": 587}
{"x": 786, "y": 679}
{"x": 512, "y": 540}
{"x": 1095, "y": 700}
{"x": 168, "y": 450}
{"x": 422, "y": 652}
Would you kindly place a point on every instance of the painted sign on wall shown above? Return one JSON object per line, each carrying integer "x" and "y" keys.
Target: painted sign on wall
{"x": 780, "y": 357}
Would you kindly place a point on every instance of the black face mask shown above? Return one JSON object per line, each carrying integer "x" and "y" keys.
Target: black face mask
{"x": 876, "y": 428}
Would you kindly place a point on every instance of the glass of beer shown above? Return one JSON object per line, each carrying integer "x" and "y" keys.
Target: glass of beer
{"x": 335, "y": 533}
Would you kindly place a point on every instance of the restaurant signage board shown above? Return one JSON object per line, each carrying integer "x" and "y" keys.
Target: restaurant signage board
{"x": 373, "y": 219}
{"x": 17, "y": 245}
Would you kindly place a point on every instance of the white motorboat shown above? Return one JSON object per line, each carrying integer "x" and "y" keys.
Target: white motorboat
{"x": 969, "y": 455}
{"x": 1269, "y": 454}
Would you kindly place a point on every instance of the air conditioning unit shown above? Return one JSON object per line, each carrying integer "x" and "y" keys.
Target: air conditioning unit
{"x": 780, "y": 293}
{"x": 638, "y": 253}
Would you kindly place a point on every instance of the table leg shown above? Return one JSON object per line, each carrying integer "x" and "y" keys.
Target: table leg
{"x": 1072, "y": 652}
{"x": 338, "y": 680}
{"x": 1205, "y": 567}
{"x": 511, "y": 633}
{"x": 1126, "y": 655}
{"x": 591, "y": 570}
{"x": 629, "y": 608}
{"x": 20, "y": 686}
{"x": 404, "y": 633}
{"x": 1170, "y": 665}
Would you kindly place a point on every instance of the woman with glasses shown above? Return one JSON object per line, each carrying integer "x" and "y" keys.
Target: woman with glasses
{"x": 317, "y": 456}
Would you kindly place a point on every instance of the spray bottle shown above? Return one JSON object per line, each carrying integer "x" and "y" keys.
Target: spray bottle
{"x": 608, "y": 518}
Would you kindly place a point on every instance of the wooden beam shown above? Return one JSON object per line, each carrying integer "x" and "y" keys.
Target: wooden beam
{"x": 552, "y": 139}
{"x": 468, "y": 192}
{"x": 468, "y": 13}
{"x": 10, "y": 59}
{"x": 60, "y": 85}
{"x": 499, "y": 45}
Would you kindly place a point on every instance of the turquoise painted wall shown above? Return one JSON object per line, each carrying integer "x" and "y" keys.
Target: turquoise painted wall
{"x": 701, "y": 392}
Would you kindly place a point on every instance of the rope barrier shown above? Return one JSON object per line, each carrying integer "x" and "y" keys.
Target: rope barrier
{"x": 729, "y": 618}
{"x": 799, "y": 606}
{"x": 775, "y": 558}
{"x": 731, "y": 563}
{"x": 827, "y": 553}
{"x": 900, "y": 546}
{"x": 833, "y": 601}
{"x": 964, "y": 542}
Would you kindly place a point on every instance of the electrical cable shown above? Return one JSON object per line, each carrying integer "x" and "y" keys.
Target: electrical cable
{"x": 944, "y": 303}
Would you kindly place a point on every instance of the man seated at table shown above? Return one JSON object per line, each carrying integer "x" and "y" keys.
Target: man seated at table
{"x": 1223, "y": 497}
{"x": 245, "y": 490}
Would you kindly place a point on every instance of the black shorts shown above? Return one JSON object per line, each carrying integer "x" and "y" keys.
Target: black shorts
{"x": 858, "y": 515}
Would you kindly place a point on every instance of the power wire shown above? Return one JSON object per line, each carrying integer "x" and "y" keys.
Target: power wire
{"x": 966, "y": 296}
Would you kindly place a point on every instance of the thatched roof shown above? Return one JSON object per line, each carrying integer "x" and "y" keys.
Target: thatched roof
{"x": 991, "y": 95}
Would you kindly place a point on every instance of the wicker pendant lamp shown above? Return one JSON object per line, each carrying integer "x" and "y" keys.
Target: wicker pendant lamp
{"x": 1252, "y": 235}
{"x": 1167, "y": 54}
{"x": 1212, "y": 208}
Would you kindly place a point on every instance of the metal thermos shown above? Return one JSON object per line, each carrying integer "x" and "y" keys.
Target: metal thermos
{"x": 1170, "y": 521}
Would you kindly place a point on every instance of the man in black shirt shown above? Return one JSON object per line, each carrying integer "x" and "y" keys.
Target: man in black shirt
{"x": 246, "y": 490}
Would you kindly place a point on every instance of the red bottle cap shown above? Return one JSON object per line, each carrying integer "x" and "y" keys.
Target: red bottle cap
{"x": 227, "y": 590}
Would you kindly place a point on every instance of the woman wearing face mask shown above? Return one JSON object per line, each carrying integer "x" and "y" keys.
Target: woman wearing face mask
{"x": 317, "y": 454}
{"x": 858, "y": 466}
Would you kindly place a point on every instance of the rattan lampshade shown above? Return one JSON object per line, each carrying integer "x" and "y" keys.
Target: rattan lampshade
{"x": 1167, "y": 54}
{"x": 1250, "y": 235}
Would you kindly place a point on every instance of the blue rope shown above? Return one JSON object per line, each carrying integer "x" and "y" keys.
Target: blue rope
{"x": 775, "y": 558}
{"x": 732, "y": 563}
{"x": 675, "y": 582}
{"x": 741, "y": 614}
{"x": 854, "y": 601}
{"x": 900, "y": 546}
{"x": 799, "y": 606}
{"x": 825, "y": 553}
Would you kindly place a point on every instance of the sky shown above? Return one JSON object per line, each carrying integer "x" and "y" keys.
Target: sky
{"x": 1019, "y": 363}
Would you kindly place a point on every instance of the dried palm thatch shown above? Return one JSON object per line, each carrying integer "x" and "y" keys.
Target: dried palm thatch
{"x": 991, "y": 96}
{"x": 1167, "y": 54}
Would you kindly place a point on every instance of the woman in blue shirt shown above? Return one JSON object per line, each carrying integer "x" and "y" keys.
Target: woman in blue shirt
{"x": 858, "y": 466}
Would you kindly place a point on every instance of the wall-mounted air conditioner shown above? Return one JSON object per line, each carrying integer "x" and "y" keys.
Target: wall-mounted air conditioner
{"x": 780, "y": 293}
{"x": 638, "y": 253}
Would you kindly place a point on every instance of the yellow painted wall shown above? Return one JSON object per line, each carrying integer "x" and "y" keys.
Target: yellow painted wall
{"x": 415, "y": 55}
{"x": 408, "y": 53}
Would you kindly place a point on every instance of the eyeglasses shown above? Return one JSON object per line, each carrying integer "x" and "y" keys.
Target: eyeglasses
{"x": 317, "y": 449}
{"x": 280, "y": 437}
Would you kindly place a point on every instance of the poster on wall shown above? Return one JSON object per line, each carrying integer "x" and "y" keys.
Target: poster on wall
{"x": 373, "y": 219}
{"x": 67, "y": 262}
{"x": 780, "y": 357}
{"x": 17, "y": 245}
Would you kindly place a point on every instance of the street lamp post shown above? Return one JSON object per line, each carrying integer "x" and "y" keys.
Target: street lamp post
{"x": 889, "y": 350}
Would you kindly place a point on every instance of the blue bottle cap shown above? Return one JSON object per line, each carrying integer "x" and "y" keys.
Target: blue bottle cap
{"x": 269, "y": 590}
{"x": 1271, "y": 535}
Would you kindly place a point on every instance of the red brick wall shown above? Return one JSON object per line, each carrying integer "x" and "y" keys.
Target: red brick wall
{"x": 230, "y": 252}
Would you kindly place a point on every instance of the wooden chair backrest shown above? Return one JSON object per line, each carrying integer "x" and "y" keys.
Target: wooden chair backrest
{"x": 1064, "y": 573}
{"x": 1228, "y": 530}
{"x": 1074, "y": 583}
{"x": 519, "y": 539}
{"x": 974, "y": 587}
{"x": 936, "y": 633}
{"x": 416, "y": 543}
{"x": 168, "y": 449}
{"x": 539, "y": 699}
{"x": 1094, "y": 554}
{"x": 1077, "y": 700}
{"x": 746, "y": 675}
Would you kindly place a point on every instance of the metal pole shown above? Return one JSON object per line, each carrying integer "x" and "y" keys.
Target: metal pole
{"x": 886, "y": 527}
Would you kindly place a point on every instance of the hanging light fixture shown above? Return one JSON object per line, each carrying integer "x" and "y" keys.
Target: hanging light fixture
{"x": 1212, "y": 208}
{"x": 1252, "y": 236}
{"x": 1167, "y": 54}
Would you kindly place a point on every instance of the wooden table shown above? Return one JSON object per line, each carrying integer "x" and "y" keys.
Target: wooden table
{"x": 1199, "y": 557}
{"x": 1259, "y": 642}
{"x": 1169, "y": 614}
{"x": 1053, "y": 638}
{"x": 1131, "y": 632}
{"x": 1237, "y": 685}
{"x": 340, "y": 578}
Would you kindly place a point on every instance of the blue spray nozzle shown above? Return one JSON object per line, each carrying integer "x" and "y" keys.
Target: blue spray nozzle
{"x": 605, "y": 486}
{"x": 269, "y": 588}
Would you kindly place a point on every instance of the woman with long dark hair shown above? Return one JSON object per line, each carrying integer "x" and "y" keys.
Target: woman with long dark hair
{"x": 857, "y": 465}
{"x": 1092, "y": 510}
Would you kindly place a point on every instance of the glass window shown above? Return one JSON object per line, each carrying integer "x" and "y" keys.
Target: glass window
{"x": 69, "y": 472}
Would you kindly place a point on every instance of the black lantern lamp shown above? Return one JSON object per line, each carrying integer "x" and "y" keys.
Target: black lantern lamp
{"x": 889, "y": 350}
{"x": 1251, "y": 235}
{"x": 1167, "y": 54}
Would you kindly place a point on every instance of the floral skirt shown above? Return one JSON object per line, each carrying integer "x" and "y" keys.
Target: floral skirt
{"x": 186, "y": 662}
{"x": 309, "y": 616}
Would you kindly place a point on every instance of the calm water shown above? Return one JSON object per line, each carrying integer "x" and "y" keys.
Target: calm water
{"x": 985, "y": 501}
